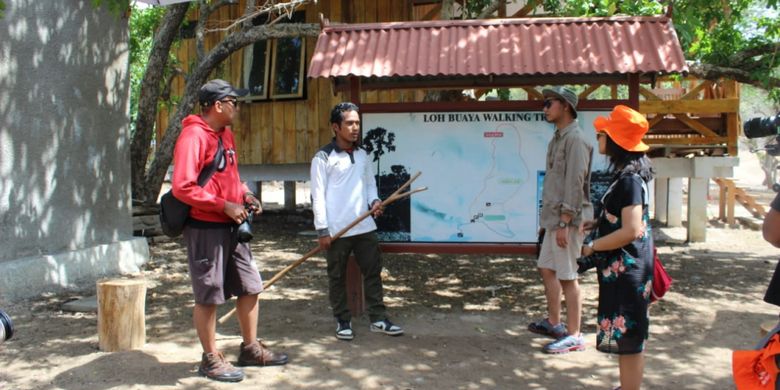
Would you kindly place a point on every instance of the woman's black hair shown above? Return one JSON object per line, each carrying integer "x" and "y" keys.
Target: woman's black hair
{"x": 622, "y": 162}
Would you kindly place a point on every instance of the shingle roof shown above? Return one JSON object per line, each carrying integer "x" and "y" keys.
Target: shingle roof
{"x": 516, "y": 47}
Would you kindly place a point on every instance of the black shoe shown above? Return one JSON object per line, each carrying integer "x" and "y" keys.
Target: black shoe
{"x": 344, "y": 330}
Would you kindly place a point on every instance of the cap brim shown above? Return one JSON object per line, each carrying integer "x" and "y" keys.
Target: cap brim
{"x": 240, "y": 92}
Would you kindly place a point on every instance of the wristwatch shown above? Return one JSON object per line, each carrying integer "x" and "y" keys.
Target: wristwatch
{"x": 590, "y": 245}
{"x": 562, "y": 224}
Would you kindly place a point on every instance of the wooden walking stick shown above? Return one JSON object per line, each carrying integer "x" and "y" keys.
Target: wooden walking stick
{"x": 398, "y": 194}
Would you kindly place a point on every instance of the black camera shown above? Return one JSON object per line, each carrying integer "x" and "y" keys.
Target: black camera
{"x": 765, "y": 127}
{"x": 762, "y": 126}
{"x": 245, "y": 228}
{"x": 6, "y": 327}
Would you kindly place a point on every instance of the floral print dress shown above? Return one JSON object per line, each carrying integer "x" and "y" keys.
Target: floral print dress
{"x": 625, "y": 274}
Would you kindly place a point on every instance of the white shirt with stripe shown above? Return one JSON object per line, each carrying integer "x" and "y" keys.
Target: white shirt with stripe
{"x": 342, "y": 188}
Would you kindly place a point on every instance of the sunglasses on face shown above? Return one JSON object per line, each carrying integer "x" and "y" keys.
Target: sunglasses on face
{"x": 234, "y": 102}
{"x": 548, "y": 102}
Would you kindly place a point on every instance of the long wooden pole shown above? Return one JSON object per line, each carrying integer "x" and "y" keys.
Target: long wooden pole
{"x": 390, "y": 199}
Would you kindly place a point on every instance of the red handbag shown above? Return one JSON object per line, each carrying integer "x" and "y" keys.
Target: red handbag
{"x": 662, "y": 282}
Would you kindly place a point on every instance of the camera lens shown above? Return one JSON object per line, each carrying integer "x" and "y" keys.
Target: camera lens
{"x": 762, "y": 126}
{"x": 6, "y": 327}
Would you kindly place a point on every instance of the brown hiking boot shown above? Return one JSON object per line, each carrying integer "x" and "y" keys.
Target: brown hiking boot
{"x": 214, "y": 366}
{"x": 257, "y": 354}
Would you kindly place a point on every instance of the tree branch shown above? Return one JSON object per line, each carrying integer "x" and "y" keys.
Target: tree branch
{"x": 713, "y": 72}
{"x": 490, "y": 9}
{"x": 197, "y": 77}
{"x": 249, "y": 8}
{"x": 283, "y": 8}
{"x": 746, "y": 55}
{"x": 149, "y": 92}
{"x": 168, "y": 84}
{"x": 206, "y": 10}
{"x": 447, "y": 9}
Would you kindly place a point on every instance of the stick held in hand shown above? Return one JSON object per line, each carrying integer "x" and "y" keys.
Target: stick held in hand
{"x": 397, "y": 195}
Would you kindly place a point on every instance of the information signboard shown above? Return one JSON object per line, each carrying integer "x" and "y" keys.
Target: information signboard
{"x": 484, "y": 173}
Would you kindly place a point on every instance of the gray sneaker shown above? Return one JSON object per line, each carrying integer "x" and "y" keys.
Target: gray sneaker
{"x": 386, "y": 327}
{"x": 344, "y": 330}
{"x": 566, "y": 344}
{"x": 544, "y": 327}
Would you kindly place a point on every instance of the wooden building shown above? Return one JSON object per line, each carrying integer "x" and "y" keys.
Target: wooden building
{"x": 285, "y": 119}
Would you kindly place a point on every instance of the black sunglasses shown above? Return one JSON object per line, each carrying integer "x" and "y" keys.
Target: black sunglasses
{"x": 548, "y": 102}
{"x": 234, "y": 102}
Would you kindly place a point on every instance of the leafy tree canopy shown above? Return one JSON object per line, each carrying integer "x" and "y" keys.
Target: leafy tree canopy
{"x": 738, "y": 39}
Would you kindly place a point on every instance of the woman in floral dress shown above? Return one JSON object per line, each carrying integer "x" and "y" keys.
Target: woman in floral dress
{"x": 622, "y": 249}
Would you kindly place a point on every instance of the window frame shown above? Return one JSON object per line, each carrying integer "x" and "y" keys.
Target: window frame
{"x": 246, "y": 69}
{"x": 301, "y": 76}
{"x": 269, "y": 76}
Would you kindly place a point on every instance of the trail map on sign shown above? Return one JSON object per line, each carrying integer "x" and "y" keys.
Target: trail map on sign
{"x": 483, "y": 172}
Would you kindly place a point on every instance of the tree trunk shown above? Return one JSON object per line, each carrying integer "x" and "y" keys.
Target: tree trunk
{"x": 149, "y": 95}
{"x": 199, "y": 75}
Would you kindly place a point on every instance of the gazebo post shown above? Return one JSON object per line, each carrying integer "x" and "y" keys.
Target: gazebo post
{"x": 356, "y": 300}
{"x": 633, "y": 90}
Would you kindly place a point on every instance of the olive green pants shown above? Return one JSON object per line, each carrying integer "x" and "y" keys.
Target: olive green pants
{"x": 366, "y": 249}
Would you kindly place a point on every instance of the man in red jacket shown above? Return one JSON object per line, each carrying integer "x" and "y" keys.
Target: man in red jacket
{"x": 220, "y": 266}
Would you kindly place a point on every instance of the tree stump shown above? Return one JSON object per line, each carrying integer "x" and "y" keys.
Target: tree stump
{"x": 121, "y": 319}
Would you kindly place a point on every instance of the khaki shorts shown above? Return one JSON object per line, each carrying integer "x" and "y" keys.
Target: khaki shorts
{"x": 561, "y": 260}
{"x": 220, "y": 266}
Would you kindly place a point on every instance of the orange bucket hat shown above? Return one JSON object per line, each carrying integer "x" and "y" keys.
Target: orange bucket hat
{"x": 624, "y": 126}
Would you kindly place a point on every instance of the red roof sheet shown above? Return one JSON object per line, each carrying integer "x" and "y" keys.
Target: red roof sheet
{"x": 529, "y": 46}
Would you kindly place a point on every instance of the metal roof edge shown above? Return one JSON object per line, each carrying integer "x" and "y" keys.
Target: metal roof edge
{"x": 333, "y": 27}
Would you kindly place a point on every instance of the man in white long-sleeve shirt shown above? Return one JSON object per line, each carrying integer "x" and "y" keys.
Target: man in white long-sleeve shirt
{"x": 343, "y": 188}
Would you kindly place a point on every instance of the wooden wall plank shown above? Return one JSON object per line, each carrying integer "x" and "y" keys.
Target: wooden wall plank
{"x": 266, "y": 132}
{"x": 277, "y": 140}
{"x": 301, "y": 135}
{"x": 290, "y": 141}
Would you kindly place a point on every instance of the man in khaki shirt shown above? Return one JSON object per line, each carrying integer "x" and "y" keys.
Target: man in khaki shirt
{"x": 565, "y": 205}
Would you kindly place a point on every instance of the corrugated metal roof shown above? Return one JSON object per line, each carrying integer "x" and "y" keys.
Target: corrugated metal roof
{"x": 528, "y": 46}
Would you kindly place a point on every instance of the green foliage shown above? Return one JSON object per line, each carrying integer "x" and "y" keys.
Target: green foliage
{"x": 143, "y": 24}
{"x": 117, "y": 7}
{"x": 473, "y": 8}
{"x": 2, "y": 8}
{"x": 602, "y": 7}
{"x": 711, "y": 32}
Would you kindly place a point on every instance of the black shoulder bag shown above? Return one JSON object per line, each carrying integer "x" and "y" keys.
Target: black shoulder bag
{"x": 173, "y": 212}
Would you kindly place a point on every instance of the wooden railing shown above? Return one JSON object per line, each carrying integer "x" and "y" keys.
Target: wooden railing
{"x": 701, "y": 115}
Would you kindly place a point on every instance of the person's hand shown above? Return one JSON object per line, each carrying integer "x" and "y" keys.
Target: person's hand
{"x": 588, "y": 225}
{"x": 254, "y": 203}
{"x": 376, "y": 209}
{"x": 562, "y": 237}
{"x": 587, "y": 251}
{"x": 324, "y": 242}
{"x": 235, "y": 211}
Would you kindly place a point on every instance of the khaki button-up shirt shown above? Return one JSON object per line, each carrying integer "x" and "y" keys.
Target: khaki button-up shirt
{"x": 566, "y": 188}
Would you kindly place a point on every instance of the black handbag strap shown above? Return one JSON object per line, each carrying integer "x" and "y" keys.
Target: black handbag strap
{"x": 206, "y": 174}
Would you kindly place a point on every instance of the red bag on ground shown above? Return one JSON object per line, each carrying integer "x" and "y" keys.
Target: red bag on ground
{"x": 662, "y": 282}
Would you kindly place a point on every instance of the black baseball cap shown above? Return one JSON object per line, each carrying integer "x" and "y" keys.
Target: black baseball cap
{"x": 217, "y": 89}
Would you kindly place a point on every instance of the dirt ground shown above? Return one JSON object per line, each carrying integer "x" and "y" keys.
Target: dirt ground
{"x": 465, "y": 318}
